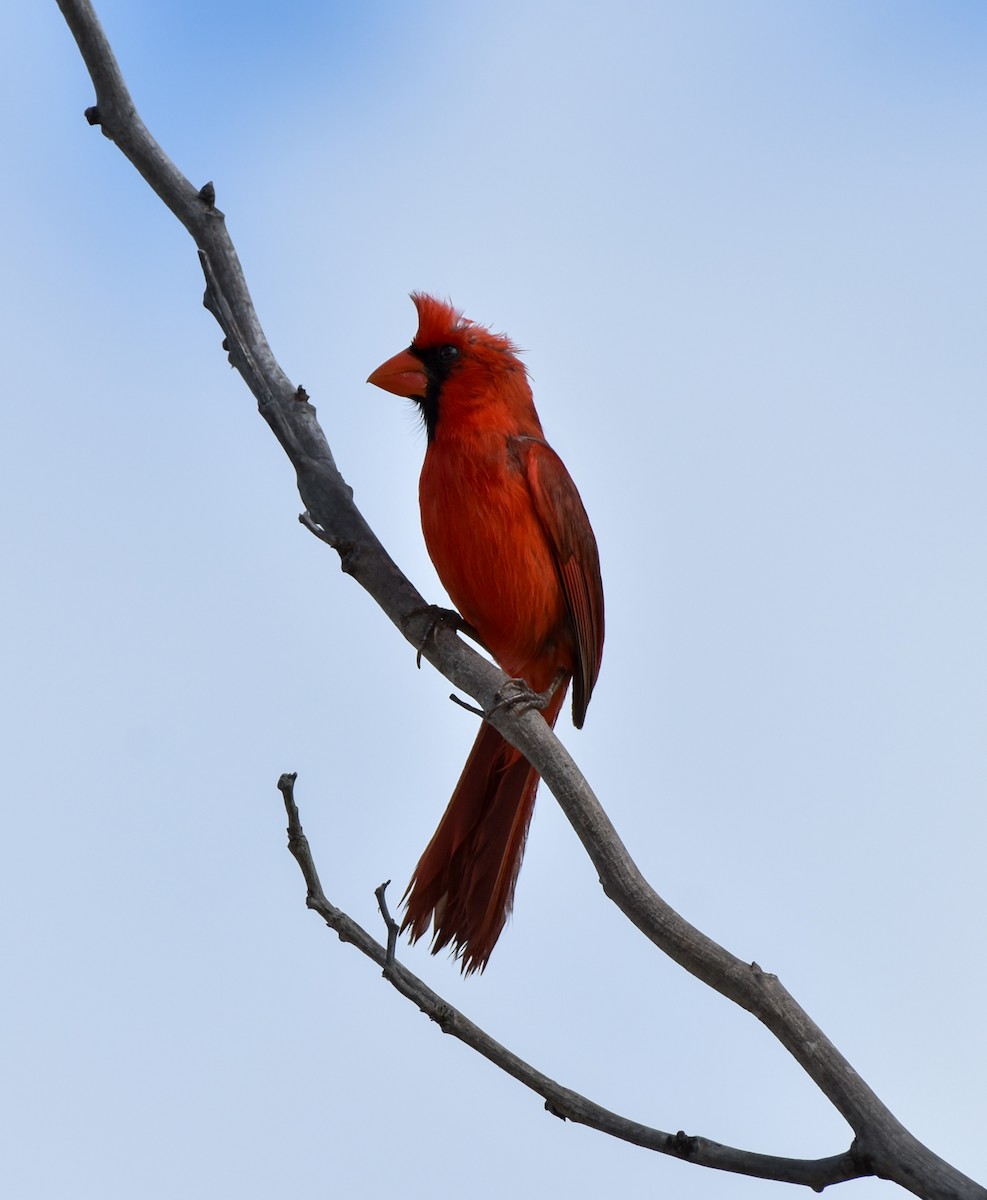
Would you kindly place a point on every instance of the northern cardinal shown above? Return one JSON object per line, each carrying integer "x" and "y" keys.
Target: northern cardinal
{"x": 511, "y": 542}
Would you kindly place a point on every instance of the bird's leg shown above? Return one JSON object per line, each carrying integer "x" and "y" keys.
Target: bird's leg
{"x": 438, "y": 618}
{"x": 518, "y": 695}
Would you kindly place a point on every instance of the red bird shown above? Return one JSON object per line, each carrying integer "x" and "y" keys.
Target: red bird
{"x": 512, "y": 544}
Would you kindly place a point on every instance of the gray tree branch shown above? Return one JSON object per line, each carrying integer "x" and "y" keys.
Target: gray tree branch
{"x": 882, "y": 1146}
{"x": 560, "y": 1101}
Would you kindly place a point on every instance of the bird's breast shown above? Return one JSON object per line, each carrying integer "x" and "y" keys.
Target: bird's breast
{"x": 492, "y": 555}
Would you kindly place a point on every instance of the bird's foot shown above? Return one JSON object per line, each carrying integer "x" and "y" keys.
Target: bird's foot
{"x": 516, "y": 694}
{"x": 438, "y": 618}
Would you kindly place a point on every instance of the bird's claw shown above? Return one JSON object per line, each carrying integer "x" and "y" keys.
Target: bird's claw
{"x": 517, "y": 695}
{"x": 438, "y": 618}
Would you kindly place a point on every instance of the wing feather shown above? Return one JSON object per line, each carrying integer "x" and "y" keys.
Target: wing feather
{"x": 563, "y": 517}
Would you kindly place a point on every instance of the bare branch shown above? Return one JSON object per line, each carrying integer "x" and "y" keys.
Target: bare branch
{"x": 559, "y": 1101}
{"x": 882, "y": 1143}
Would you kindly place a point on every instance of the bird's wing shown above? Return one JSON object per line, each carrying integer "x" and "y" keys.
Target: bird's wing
{"x": 570, "y": 535}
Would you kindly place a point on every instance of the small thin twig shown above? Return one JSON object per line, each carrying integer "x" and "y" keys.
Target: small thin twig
{"x": 306, "y": 519}
{"x": 471, "y": 708}
{"x": 297, "y": 841}
{"x": 392, "y": 926}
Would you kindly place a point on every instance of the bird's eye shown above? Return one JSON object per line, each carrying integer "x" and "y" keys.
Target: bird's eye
{"x": 448, "y": 355}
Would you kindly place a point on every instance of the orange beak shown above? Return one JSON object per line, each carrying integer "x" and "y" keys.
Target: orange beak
{"x": 403, "y": 375}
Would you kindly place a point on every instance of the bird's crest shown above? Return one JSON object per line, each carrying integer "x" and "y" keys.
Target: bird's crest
{"x": 440, "y": 322}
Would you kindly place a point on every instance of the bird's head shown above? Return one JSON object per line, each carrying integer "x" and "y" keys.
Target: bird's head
{"x": 456, "y": 367}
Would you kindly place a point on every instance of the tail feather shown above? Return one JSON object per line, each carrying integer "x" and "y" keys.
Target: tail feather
{"x": 464, "y": 883}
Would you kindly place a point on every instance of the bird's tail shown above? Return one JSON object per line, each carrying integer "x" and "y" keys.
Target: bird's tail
{"x": 463, "y": 885}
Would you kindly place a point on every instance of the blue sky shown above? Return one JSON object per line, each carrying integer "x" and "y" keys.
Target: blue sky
{"x": 743, "y": 247}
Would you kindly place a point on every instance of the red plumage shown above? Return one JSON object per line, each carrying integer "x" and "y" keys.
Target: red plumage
{"x": 511, "y": 542}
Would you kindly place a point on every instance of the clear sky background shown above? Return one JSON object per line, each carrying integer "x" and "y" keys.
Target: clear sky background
{"x": 744, "y": 247}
